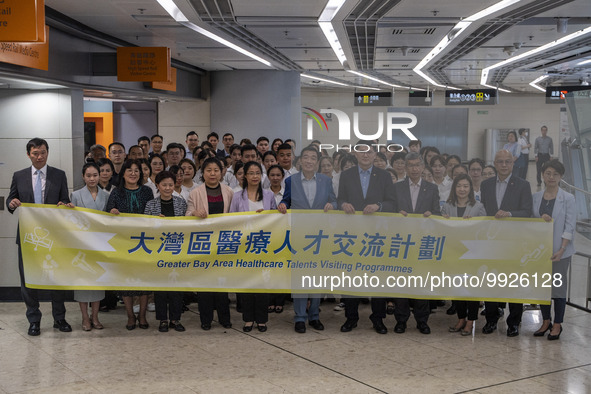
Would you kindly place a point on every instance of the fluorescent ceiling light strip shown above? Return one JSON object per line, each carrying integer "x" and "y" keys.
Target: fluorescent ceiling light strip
{"x": 456, "y": 31}
{"x": 173, "y": 10}
{"x": 374, "y": 79}
{"x": 496, "y": 88}
{"x": 534, "y": 83}
{"x": 366, "y": 87}
{"x": 325, "y": 23}
{"x": 330, "y": 10}
{"x": 178, "y": 16}
{"x": 584, "y": 62}
{"x": 570, "y": 37}
{"x": 322, "y": 79}
{"x": 333, "y": 40}
{"x": 227, "y": 43}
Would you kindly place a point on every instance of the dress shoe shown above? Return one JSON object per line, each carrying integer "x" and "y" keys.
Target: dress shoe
{"x": 62, "y": 325}
{"x": 423, "y": 328}
{"x": 500, "y": 312}
{"x": 555, "y": 337}
{"x": 246, "y": 328}
{"x": 379, "y": 326}
{"x": 349, "y": 325}
{"x": 177, "y": 326}
{"x": 451, "y": 310}
{"x": 227, "y": 325}
{"x": 300, "y": 327}
{"x": 489, "y": 328}
{"x": 512, "y": 331}
{"x": 34, "y": 329}
{"x": 206, "y": 326}
{"x": 400, "y": 327}
{"x": 316, "y": 324}
{"x": 541, "y": 333}
{"x": 163, "y": 327}
{"x": 261, "y": 327}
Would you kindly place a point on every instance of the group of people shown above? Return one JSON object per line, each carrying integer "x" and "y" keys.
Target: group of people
{"x": 201, "y": 179}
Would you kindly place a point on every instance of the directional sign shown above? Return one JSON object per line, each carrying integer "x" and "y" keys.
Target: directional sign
{"x": 471, "y": 97}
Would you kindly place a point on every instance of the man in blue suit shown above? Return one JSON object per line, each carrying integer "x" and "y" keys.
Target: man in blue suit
{"x": 308, "y": 190}
{"x": 505, "y": 196}
{"x": 39, "y": 184}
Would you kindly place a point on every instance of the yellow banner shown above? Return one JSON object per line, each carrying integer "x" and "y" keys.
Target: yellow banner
{"x": 300, "y": 252}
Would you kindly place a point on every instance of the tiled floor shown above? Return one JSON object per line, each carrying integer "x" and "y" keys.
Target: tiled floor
{"x": 280, "y": 361}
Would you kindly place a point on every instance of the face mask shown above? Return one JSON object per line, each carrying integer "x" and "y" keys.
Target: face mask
{"x": 526, "y": 134}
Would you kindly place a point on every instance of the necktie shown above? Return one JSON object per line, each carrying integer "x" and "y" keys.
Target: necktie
{"x": 38, "y": 188}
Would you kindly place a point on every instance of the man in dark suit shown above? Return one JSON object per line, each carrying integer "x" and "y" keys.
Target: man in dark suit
{"x": 39, "y": 184}
{"x": 368, "y": 189}
{"x": 308, "y": 190}
{"x": 413, "y": 195}
{"x": 515, "y": 199}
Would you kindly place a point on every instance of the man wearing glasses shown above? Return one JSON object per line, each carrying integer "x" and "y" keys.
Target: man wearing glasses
{"x": 505, "y": 196}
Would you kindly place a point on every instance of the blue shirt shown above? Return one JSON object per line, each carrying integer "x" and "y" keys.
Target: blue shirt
{"x": 364, "y": 177}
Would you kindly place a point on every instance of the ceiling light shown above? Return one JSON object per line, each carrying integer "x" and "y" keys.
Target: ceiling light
{"x": 333, "y": 40}
{"x": 173, "y": 10}
{"x": 570, "y": 37}
{"x": 323, "y": 80}
{"x": 330, "y": 10}
{"x": 178, "y": 16}
{"x": 325, "y": 23}
{"x": 373, "y": 79}
{"x": 455, "y": 32}
{"x": 584, "y": 62}
{"x": 534, "y": 83}
{"x": 227, "y": 43}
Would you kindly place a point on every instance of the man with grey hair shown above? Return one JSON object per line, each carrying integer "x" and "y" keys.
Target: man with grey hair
{"x": 96, "y": 152}
{"x": 412, "y": 195}
{"x": 505, "y": 196}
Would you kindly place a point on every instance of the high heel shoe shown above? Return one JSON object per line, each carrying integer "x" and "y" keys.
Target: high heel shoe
{"x": 457, "y": 329}
{"x": 247, "y": 328}
{"x": 97, "y": 325}
{"x": 131, "y": 326}
{"x": 86, "y": 327}
{"x": 541, "y": 333}
{"x": 262, "y": 327}
{"x": 555, "y": 337}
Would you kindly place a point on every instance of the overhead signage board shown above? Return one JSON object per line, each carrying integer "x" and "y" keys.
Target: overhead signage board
{"x": 557, "y": 94}
{"x": 22, "y": 20}
{"x": 27, "y": 54}
{"x": 168, "y": 85}
{"x": 143, "y": 64}
{"x": 419, "y": 98}
{"x": 380, "y": 99}
{"x": 471, "y": 97}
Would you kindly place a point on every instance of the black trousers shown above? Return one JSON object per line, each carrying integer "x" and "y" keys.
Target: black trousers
{"x": 378, "y": 308}
{"x": 421, "y": 310}
{"x": 31, "y": 297}
{"x": 277, "y": 299}
{"x": 542, "y": 158}
{"x": 467, "y": 309}
{"x": 255, "y": 307}
{"x": 492, "y": 312}
{"x": 208, "y": 301}
{"x": 169, "y": 305}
